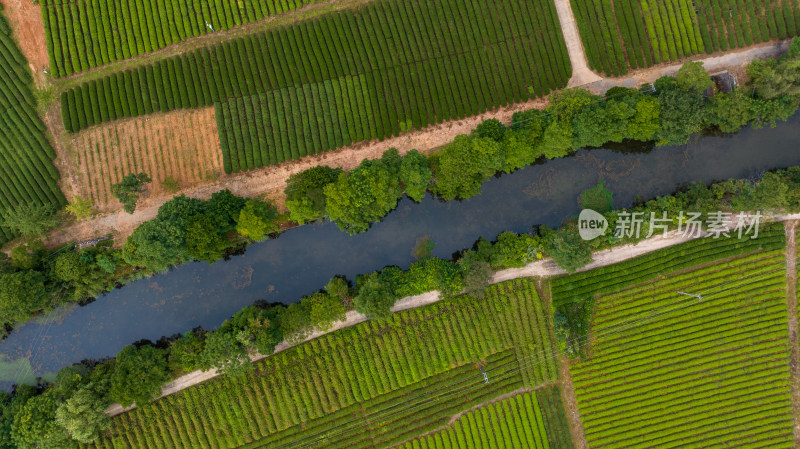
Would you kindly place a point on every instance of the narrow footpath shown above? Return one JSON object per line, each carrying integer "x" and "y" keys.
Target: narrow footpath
{"x": 541, "y": 268}
{"x": 791, "y": 299}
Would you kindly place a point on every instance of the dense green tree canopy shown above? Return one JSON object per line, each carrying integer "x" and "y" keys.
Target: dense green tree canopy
{"x": 21, "y": 293}
{"x": 465, "y": 164}
{"x": 415, "y": 175}
{"x": 363, "y": 196}
{"x": 305, "y": 198}
{"x": 375, "y": 299}
{"x": 569, "y": 250}
{"x": 30, "y": 220}
{"x": 693, "y": 77}
{"x": 257, "y": 219}
{"x": 35, "y": 425}
{"x": 138, "y": 375}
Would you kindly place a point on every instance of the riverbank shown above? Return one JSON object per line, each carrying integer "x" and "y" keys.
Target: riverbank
{"x": 541, "y": 268}
{"x": 271, "y": 181}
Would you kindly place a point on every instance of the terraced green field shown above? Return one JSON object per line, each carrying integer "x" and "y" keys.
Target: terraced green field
{"x": 622, "y": 34}
{"x": 522, "y": 421}
{"x": 689, "y": 372}
{"x": 371, "y": 385}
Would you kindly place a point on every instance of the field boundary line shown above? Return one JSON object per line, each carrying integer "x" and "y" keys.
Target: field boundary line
{"x": 791, "y": 300}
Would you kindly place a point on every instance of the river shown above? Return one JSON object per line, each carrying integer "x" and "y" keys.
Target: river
{"x": 302, "y": 259}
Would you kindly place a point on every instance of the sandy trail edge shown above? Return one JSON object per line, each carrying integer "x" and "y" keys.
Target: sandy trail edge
{"x": 791, "y": 300}
{"x": 542, "y": 268}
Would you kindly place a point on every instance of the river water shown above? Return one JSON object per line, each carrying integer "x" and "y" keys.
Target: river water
{"x": 302, "y": 260}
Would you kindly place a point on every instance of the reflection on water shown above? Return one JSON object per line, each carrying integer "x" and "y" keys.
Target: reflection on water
{"x": 303, "y": 259}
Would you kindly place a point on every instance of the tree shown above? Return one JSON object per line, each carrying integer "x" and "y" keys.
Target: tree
{"x": 138, "y": 375}
{"x": 83, "y": 275}
{"x": 693, "y": 77}
{"x": 363, "y": 196}
{"x": 185, "y": 353}
{"x": 80, "y": 208}
{"x": 729, "y": 112}
{"x": 415, "y": 175}
{"x": 375, "y": 299}
{"x": 646, "y": 123}
{"x": 203, "y": 241}
{"x": 35, "y": 427}
{"x": 21, "y": 293}
{"x": 226, "y": 353}
{"x": 10, "y": 407}
{"x": 304, "y": 192}
{"x": 604, "y": 122}
{"x": 323, "y": 310}
{"x": 294, "y": 323}
{"x": 465, "y": 164}
{"x": 257, "y": 219}
{"x": 778, "y": 81}
{"x": 156, "y": 245}
{"x": 681, "y": 116}
{"x": 569, "y": 250}
{"x": 83, "y": 415}
{"x": 476, "y": 274}
{"x": 223, "y": 208}
{"x": 338, "y": 288}
{"x": 30, "y": 220}
{"x": 490, "y": 128}
{"x": 128, "y": 189}
{"x": 518, "y": 153}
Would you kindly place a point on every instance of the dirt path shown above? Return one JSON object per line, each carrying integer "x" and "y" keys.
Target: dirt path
{"x": 581, "y": 73}
{"x": 352, "y": 318}
{"x": 545, "y": 267}
{"x": 272, "y": 180}
{"x": 26, "y": 21}
{"x": 791, "y": 298}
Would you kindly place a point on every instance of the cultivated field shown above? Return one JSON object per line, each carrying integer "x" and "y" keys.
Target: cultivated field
{"x": 27, "y": 173}
{"x": 374, "y": 384}
{"x": 387, "y": 58}
{"x": 88, "y": 33}
{"x": 181, "y": 145}
{"x": 669, "y": 370}
{"x": 623, "y": 34}
{"x": 523, "y": 421}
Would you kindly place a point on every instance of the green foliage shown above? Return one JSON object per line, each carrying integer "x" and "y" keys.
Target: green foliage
{"x": 139, "y": 373}
{"x": 681, "y": 116}
{"x": 462, "y": 166}
{"x": 730, "y": 112}
{"x": 29, "y": 219}
{"x": 693, "y": 77}
{"x": 491, "y": 128}
{"x": 185, "y": 352}
{"x": 362, "y": 196}
{"x": 80, "y": 208}
{"x": 568, "y": 249}
{"x": 375, "y": 299}
{"x": 598, "y": 198}
{"x": 295, "y": 323}
{"x": 35, "y": 426}
{"x": 156, "y": 245}
{"x": 257, "y": 219}
{"x": 304, "y": 192}
{"x": 84, "y": 277}
{"x": 170, "y": 185}
{"x": 476, "y": 275}
{"x": 128, "y": 189}
{"x": 83, "y": 415}
{"x": 323, "y": 309}
{"x": 21, "y": 294}
{"x": 415, "y": 175}
{"x": 203, "y": 240}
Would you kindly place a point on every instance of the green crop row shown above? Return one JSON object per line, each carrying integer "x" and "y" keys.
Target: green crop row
{"x": 623, "y": 34}
{"x": 579, "y": 286}
{"x": 417, "y": 64}
{"x": 27, "y": 173}
{"x": 84, "y": 34}
{"x": 708, "y": 372}
{"x": 516, "y": 422}
{"x": 356, "y": 372}
{"x": 291, "y": 123}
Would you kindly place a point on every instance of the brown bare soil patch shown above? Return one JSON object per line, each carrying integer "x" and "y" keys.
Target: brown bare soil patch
{"x": 182, "y": 145}
{"x": 26, "y": 20}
